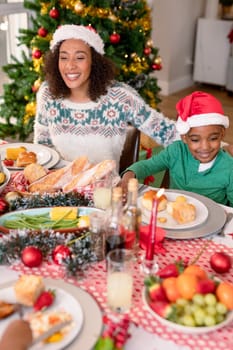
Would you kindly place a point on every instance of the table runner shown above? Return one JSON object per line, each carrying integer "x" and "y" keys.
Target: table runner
{"x": 94, "y": 282}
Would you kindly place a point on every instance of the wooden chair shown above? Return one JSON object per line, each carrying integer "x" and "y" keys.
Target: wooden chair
{"x": 130, "y": 153}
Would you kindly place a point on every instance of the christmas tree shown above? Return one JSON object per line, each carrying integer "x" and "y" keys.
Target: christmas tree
{"x": 125, "y": 27}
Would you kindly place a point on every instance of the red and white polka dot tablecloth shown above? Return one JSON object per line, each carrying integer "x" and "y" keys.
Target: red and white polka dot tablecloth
{"x": 94, "y": 282}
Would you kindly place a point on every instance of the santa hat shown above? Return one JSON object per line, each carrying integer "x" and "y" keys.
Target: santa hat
{"x": 72, "y": 31}
{"x": 199, "y": 109}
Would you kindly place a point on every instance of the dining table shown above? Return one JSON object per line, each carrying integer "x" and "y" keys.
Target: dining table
{"x": 146, "y": 331}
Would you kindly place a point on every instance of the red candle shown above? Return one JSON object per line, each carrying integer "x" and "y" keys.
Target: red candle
{"x": 152, "y": 227}
{"x": 152, "y": 231}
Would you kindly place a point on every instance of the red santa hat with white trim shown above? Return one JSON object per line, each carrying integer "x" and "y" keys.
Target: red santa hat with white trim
{"x": 199, "y": 109}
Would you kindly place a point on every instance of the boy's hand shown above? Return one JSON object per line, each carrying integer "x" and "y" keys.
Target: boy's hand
{"x": 124, "y": 183}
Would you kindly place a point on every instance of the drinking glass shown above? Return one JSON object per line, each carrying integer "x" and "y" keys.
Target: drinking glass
{"x": 102, "y": 193}
{"x": 120, "y": 280}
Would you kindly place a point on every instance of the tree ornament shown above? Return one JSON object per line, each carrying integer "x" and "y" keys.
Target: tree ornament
{"x": 156, "y": 66}
{"x": 149, "y": 43}
{"x": 158, "y": 60}
{"x": 36, "y": 85}
{"x": 3, "y": 205}
{"x": 78, "y": 7}
{"x": 54, "y": 13}
{"x": 60, "y": 253}
{"x": 42, "y": 32}
{"x": 115, "y": 38}
{"x": 147, "y": 51}
{"x": 31, "y": 256}
{"x": 36, "y": 54}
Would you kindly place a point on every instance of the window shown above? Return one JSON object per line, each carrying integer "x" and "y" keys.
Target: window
{"x": 13, "y": 17}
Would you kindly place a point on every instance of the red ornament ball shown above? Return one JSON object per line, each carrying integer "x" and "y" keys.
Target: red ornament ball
{"x": 115, "y": 38}
{"x": 156, "y": 66}
{"x": 31, "y": 256}
{"x": 147, "y": 51}
{"x": 54, "y": 13}
{"x": 60, "y": 253}
{"x": 220, "y": 262}
{"x": 36, "y": 54}
{"x": 42, "y": 32}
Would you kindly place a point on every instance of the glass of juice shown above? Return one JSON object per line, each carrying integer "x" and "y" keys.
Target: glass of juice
{"x": 120, "y": 280}
{"x": 102, "y": 193}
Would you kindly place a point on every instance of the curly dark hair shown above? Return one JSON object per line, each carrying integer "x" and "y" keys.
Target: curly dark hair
{"x": 103, "y": 72}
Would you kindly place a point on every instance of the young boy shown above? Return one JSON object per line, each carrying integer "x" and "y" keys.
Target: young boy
{"x": 196, "y": 163}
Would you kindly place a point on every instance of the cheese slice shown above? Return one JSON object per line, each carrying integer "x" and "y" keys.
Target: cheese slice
{"x": 65, "y": 213}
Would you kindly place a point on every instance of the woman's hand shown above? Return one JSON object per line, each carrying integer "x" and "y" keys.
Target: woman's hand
{"x": 17, "y": 336}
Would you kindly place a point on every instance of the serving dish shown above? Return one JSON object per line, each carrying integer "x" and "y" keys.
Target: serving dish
{"x": 81, "y": 211}
{"x": 185, "y": 329}
{"x": 7, "y": 179}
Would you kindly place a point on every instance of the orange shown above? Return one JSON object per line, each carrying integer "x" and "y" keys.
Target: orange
{"x": 187, "y": 285}
{"x": 197, "y": 271}
{"x": 169, "y": 285}
{"x": 224, "y": 293}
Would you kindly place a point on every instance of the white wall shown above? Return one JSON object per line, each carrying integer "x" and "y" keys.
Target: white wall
{"x": 174, "y": 28}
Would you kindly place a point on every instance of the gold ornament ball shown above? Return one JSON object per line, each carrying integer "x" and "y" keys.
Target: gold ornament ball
{"x": 158, "y": 60}
{"x": 78, "y": 7}
{"x": 149, "y": 43}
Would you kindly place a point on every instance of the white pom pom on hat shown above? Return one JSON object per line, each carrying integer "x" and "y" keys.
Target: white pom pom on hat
{"x": 72, "y": 31}
{"x": 199, "y": 109}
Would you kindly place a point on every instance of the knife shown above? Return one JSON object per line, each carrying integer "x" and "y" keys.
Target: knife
{"x": 50, "y": 332}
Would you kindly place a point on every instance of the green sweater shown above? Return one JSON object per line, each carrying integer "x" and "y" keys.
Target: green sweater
{"x": 215, "y": 183}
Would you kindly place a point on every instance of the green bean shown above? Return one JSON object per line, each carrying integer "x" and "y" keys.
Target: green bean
{"x": 39, "y": 221}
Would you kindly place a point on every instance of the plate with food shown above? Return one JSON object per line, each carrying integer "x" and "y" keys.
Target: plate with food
{"x": 19, "y": 155}
{"x": 176, "y": 211}
{"x": 43, "y": 313}
{"x": 59, "y": 218}
{"x": 91, "y": 323}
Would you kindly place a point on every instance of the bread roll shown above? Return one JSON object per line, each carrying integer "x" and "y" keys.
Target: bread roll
{"x": 33, "y": 172}
{"x": 25, "y": 158}
{"x": 183, "y": 212}
{"x": 28, "y": 288}
{"x": 147, "y": 200}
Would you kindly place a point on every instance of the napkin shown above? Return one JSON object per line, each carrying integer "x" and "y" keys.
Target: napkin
{"x": 144, "y": 235}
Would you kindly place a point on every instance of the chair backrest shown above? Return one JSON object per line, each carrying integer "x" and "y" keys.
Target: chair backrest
{"x": 130, "y": 153}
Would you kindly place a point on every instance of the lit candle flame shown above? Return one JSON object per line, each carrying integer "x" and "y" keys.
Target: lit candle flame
{"x": 160, "y": 193}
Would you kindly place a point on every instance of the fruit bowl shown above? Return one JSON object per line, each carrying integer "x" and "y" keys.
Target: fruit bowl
{"x": 186, "y": 329}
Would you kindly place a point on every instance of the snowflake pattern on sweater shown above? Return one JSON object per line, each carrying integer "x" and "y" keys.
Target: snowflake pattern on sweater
{"x": 97, "y": 129}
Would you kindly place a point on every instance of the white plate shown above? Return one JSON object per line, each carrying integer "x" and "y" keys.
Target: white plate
{"x": 201, "y": 213}
{"x": 63, "y": 301}
{"x": 92, "y": 316}
{"x": 185, "y": 329}
{"x": 43, "y": 153}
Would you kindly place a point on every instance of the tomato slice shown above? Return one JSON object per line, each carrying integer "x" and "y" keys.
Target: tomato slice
{"x": 8, "y": 162}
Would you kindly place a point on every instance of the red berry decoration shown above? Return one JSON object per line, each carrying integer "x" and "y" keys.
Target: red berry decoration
{"x": 36, "y": 54}
{"x": 115, "y": 38}
{"x": 42, "y": 32}
{"x": 32, "y": 256}
{"x": 60, "y": 253}
{"x": 220, "y": 262}
{"x": 54, "y": 13}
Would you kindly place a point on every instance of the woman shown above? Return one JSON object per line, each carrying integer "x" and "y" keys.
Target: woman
{"x": 17, "y": 336}
{"x": 81, "y": 109}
